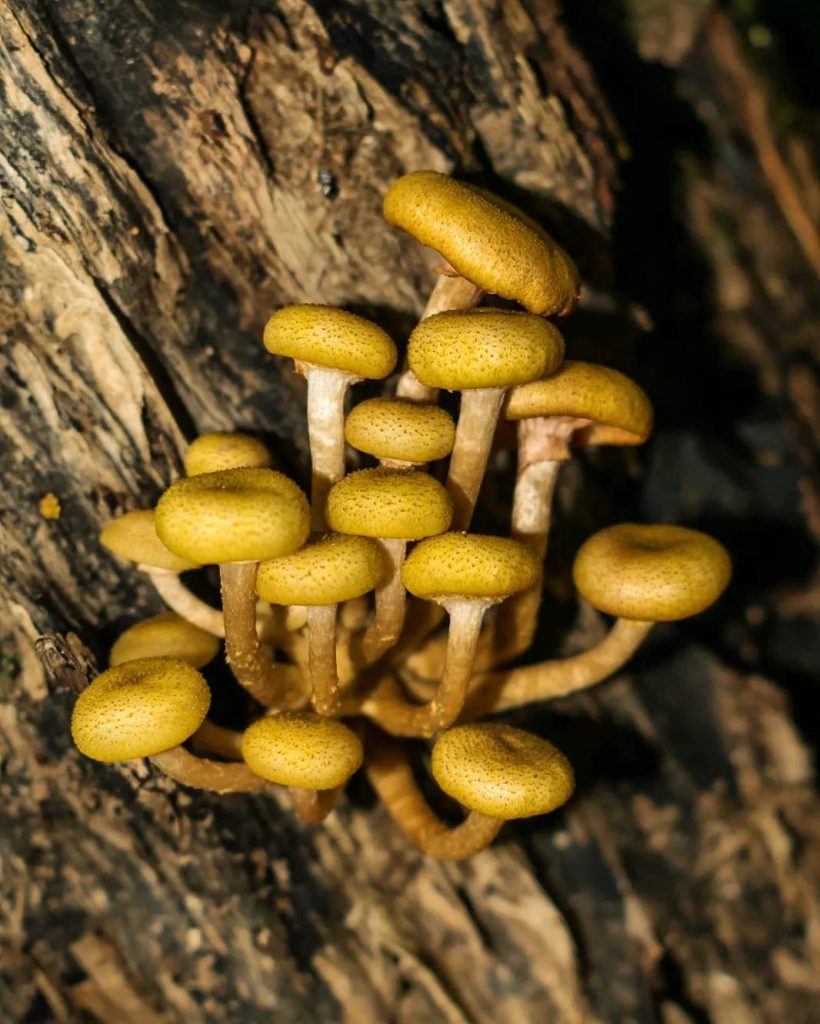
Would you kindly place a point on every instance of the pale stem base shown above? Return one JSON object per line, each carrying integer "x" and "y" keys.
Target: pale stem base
{"x": 326, "y": 391}
{"x": 249, "y": 663}
{"x": 477, "y": 421}
{"x": 391, "y": 603}
{"x": 313, "y": 805}
{"x": 390, "y": 775}
{"x": 324, "y": 677}
{"x": 199, "y": 773}
{"x": 551, "y": 679}
{"x": 180, "y": 600}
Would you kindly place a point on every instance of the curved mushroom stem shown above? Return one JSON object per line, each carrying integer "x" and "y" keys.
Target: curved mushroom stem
{"x": 264, "y": 680}
{"x": 326, "y": 389}
{"x": 313, "y": 805}
{"x": 211, "y": 738}
{"x": 199, "y": 773}
{"x": 474, "y": 437}
{"x": 550, "y": 679}
{"x": 390, "y": 775}
{"x": 451, "y": 291}
{"x": 180, "y": 600}
{"x": 391, "y": 602}
{"x": 324, "y": 676}
{"x": 400, "y": 718}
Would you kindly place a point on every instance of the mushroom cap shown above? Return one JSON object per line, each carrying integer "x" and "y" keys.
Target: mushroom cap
{"x": 620, "y": 410}
{"x": 391, "y": 428}
{"x": 501, "y": 771}
{"x": 334, "y": 569}
{"x": 134, "y": 536}
{"x": 165, "y": 636}
{"x": 210, "y": 453}
{"x": 138, "y": 709}
{"x": 469, "y": 565}
{"x": 393, "y": 504}
{"x": 326, "y": 336}
{"x": 236, "y": 515}
{"x": 487, "y": 240}
{"x": 483, "y": 348}
{"x": 651, "y": 573}
{"x": 302, "y": 749}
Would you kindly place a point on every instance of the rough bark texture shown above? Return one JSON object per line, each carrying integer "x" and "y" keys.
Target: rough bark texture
{"x": 171, "y": 172}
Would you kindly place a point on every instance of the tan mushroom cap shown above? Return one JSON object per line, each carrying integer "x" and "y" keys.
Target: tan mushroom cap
{"x": 236, "y": 515}
{"x": 302, "y": 749}
{"x": 210, "y": 453}
{"x": 331, "y": 570}
{"x": 501, "y": 771}
{"x": 138, "y": 709}
{"x": 469, "y": 565}
{"x": 483, "y": 348}
{"x": 651, "y": 573}
{"x": 389, "y": 503}
{"x": 134, "y": 536}
{"x": 390, "y": 428}
{"x": 165, "y": 636}
{"x": 326, "y": 336}
{"x": 620, "y": 410}
{"x": 487, "y": 240}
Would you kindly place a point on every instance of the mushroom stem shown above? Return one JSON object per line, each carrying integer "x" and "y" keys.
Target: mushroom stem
{"x": 474, "y": 437}
{"x": 550, "y": 679}
{"x": 324, "y": 676}
{"x": 451, "y": 291}
{"x": 391, "y": 602}
{"x": 180, "y": 600}
{"x": 313, "y": 805}
{"x": 326, "y": 389}
{"x": 261, "y": 678}
{"x": 211, "y": 738}
{"x": 390, "y": 775}
{"x": 200, "y": 773}
{"x": 396, "y": 716}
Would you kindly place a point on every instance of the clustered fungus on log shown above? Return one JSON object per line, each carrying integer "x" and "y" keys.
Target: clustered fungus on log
{"x": 324, "y": 601}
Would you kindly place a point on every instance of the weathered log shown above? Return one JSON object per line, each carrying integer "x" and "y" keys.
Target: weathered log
{"x": 171, "y": 172}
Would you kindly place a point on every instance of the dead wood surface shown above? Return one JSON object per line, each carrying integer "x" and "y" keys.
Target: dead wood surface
{"x": 172, "y": 171}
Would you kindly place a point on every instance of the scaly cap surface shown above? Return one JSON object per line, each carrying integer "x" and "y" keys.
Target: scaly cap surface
{"x": 165, "y": 636}
{"x": 210, "y": 453}
{"x": 302, "y": 749}
{"x": 391, "y": 428}
{"x": 389, "y": 503}
{"x": 469, "y": 565}
{"x": 331, "y": 570}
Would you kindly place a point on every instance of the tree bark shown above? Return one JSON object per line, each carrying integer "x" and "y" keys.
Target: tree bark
{"x": 173, "y": 171}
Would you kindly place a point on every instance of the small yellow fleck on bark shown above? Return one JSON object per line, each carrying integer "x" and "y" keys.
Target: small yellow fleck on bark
{"x": 50, "y": 506}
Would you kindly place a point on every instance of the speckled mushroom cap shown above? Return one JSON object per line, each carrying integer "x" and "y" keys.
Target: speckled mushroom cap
{"x": 483, "y": 348}
{"x": 165, "y": 636}
{"x": 138, "y": 709}
{"x": 651, "y": 573}
{"x": 620, "y": 411}
{"x": 326, "y": 336}
{"x": 389, "y": 503}
{"x": 469, "y": 565}
{"x": 302, "y": 749}
{"x": 501, "y": 771}
{"x": 134, "y": 536}
{"x": 487, "y": 240}
{"x": 236, "y": 515}
{"x": 390, "y": 428}
{"x": 210, "y": 453}
{"x": 334, "y": 569}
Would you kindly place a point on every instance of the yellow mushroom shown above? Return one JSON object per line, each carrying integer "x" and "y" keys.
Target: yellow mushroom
{"x": 313, "y": 755}
{"x": 393, "y": 506}
{"x": 641, "y": 574}
{"x": 497, "y": 772}
{"x": 399, "y": 433}
{"x": 482, "y": 353}
{"x": 165, "y": 636}
{"x": 234, "y": 519}
{"x": 333, "y": 349}
{"x": 320, "y": 576}
{"x": 148, "y": 708}
{"x": 465, "y": 574}
{"x": 210, "y": 453}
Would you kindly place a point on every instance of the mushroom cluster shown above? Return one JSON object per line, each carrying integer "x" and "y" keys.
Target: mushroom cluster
{"x": 333, "y": 608}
